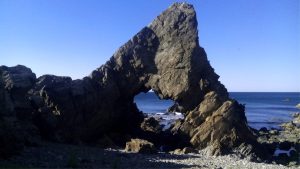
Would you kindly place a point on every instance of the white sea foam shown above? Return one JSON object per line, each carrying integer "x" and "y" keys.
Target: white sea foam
{"x": 166, "y": 119}
{"x": 279, "y": 151}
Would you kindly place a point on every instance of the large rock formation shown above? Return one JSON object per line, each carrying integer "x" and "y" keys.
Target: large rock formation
{"x": 16, "y": 127}
{"x": 165, "y": 57}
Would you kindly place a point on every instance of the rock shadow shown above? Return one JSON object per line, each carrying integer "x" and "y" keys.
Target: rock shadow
{"x": 69, "y": 156}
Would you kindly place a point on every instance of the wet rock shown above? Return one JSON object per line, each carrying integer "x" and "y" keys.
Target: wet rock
{"x": 151, "y": 124}
{"x": 285, "y": 145}
{"x": 140, "y": 146}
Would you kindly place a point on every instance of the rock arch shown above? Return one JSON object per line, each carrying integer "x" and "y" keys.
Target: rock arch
{"x": 164, "y": 56}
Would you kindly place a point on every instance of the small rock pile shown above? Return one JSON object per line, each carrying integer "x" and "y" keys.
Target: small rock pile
{"x": 284, "y": 144}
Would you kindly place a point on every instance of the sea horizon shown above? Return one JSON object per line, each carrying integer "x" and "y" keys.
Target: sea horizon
{"x": 262, "y": 109}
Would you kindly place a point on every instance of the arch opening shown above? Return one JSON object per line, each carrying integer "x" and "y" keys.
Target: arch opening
{"x": 161, "y": 109}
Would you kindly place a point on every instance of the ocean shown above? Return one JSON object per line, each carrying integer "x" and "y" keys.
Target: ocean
{"x": 263, "y": 109}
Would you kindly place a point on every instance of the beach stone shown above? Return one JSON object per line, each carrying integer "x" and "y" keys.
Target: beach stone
{"x": 140, "y": 146}
{"x": 185, "y": 150}
{"x": 188, "y": 150}
{"x": 176, "y": 151}
{"x": 292, "y": 164}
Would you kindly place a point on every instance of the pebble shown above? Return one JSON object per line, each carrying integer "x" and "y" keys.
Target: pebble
{"x": 92, "y": 157}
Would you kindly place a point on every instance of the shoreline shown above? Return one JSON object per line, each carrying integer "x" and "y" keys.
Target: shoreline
{"x": 261, "y": 110}
{"x": 58, "y": 155}
{"x": 54, "y": 155}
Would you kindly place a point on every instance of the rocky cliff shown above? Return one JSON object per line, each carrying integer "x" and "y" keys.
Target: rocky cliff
{"x": 165, "y": 56}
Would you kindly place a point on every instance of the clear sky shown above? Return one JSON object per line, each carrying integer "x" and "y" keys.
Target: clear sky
{"x": 254, "y": 45}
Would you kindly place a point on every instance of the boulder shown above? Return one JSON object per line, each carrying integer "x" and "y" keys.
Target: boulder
{"x": 150, "y": 124}
{"x": 140, "y": 146}
{"x": 185, "y": 150}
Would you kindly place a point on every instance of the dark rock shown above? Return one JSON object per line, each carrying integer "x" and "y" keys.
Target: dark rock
{"x": 175, "y": 108}
{"x": 263, "y": 129}
{"x": 294, "y": 154}
{"x": 296, "y": 115}
{"x": 283, "y": 158}
{"x": 286, "y": 139}
{"x": 284, "y": 145}
{"x": 16, "y": 128}
{"x": 140, "y": 146}
{"x": 106, "y": 141}
{"x": 152, "y": 125}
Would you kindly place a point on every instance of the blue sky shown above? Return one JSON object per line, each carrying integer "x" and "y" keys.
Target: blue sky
{"x": 254, "y": 45}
